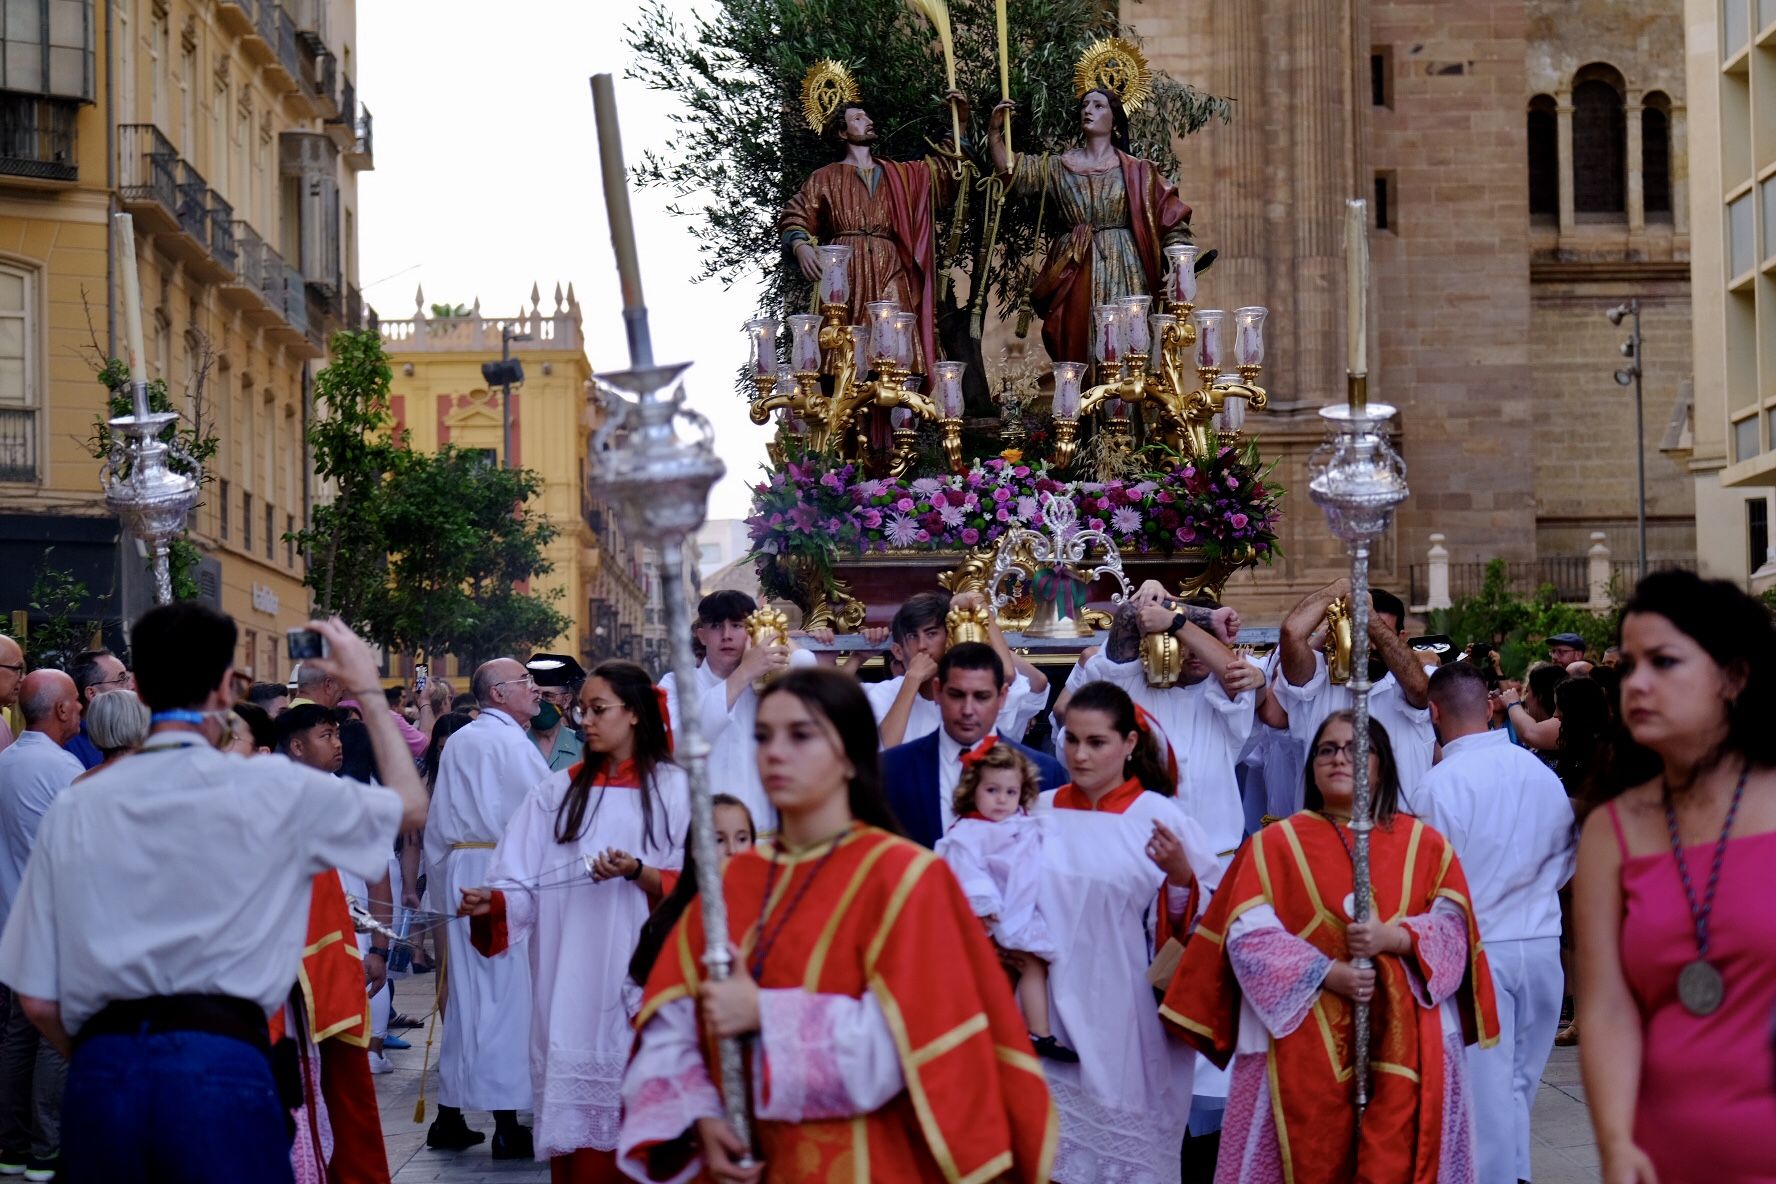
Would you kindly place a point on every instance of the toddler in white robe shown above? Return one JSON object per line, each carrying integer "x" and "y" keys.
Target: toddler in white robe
{"x": 995, "y": 850}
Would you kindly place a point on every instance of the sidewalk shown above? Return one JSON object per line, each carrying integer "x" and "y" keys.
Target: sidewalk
{"x": 1564, "y": 1150}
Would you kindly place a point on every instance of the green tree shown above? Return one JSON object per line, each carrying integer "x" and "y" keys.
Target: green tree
{"x": 741, "y": 140}
{"x": 56, "y": 633}
{"x": 1518, "y": 626}
{"x": 420, "y": 552}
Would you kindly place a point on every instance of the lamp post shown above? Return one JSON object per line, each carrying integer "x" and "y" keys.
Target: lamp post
{"x": 1358, "y": 480}
{"x": 662, "y": 480}
{"x": 503, "y": 374}
{"x": 1629, "y": 375}
{"x": 149, "y": 498}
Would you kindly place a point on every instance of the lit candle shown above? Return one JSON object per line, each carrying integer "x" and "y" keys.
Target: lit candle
{"x": 946, "y": 390}
{"x": 1182, "y": 276}
{"x": 1067, "y": 376}
{"x": 835, "y": 274}
{"x": 1109, "y": 339}
{"x": 1134, "y": 323}
{"x": 1158, "y": 324}
{"x": 130, "y": 283}
{"x": 804, "y": 343}
{"x": 1248, "y": 335}
{"x": 881, "y": 320}
{"x": 1356, "y": 296}
{"x": 616, "y": 191}
{"x": 763, "y": 335}
{"x": 1208, "y": 337}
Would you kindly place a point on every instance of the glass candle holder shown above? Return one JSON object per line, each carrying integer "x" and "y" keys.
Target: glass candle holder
{"x": 1209, "y": 346}
{"x": 905, "y": 326}
{"x": 1109, "y": 324}
{"x": 1248, "y": 335}
{"x": 881, "y": 326}
{"x": 900, "y": 418}
{"x": 1157, "y": 324}
{"x": 804, "y": 343}
{"x": 1067, "y": 376}
{"x": 761, "y": 335}
{"x": 1135, "y": 337}
{"x": 946, "y": 388}
{"x": 860, "y": 336}
{"x": 785, "y": 382}
{"x": 835, "y": 274}
{"x": 1119, "y": 410}
{"x": 1233, "y": 413}
{"x": 1181, "y": 273}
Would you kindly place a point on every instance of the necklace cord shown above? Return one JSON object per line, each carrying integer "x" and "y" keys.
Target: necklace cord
{"x": 1699, "y": 915}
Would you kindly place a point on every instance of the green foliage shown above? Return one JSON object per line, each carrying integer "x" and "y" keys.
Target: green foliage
{"x": 421, "y": 552}
{"x": 449, "y": 311}
{"x": 55, "y": 635}
{"x": 742, "y": 140}
{"x": 1519, "y": 627}
{"x": 191, "y": 445}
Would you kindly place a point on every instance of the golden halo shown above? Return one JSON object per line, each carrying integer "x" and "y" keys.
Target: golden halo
{"x": 1115, "y": 65}
{"x": 826, "y": 87}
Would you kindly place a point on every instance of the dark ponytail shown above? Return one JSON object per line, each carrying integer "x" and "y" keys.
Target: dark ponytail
{"x": 1147, "y": 763}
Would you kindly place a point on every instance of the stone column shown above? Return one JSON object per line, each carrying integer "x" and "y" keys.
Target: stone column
{"x": 1437, "y": 595}
{"x": 1680, "y": 170}
{"x": 1598, "y": 572}
{"x": 1636, "y": 165}
{"x": 1563, "y": 122}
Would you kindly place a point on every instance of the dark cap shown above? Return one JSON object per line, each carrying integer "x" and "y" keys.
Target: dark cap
{"x": 555, "y": 670}
{"x": 1572, "y": 639}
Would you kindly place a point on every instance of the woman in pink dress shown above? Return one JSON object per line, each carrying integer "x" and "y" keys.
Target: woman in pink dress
{"x": 1678, "y": 966}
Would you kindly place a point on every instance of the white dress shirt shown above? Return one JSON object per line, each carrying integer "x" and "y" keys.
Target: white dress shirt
{"x": 733, "y": 753}
{"x": 1408, "y": 727}
{"x": 1509, "y": 820}
{"x": 181, "y": 870}
{"x": 33, "y": 770}
{"x": 949, "y": 776}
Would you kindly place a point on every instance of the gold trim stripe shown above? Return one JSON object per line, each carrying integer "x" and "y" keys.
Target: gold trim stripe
{"x": 934, "y": 1139}
{"x": 1187, "y": 1024}
{"x": 817, "y": 960}
{"x": 1018, "y": 1059}
{"x": 908, "y": 880}
{"x": 1396, "y": 1070}
{"x": 972, "y": 1026}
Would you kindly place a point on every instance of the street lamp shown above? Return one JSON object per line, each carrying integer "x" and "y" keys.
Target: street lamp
{"x": 504, "y": 374}
{"x": 1630, "y": 375}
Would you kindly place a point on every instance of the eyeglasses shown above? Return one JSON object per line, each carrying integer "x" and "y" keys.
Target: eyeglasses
{"x": 526, "y": 681}
{"x": 578, "y": 714}
{"x": 1327, "y": 751}
{"x": 122, "y": 680}
{"x": 16, "y": 669}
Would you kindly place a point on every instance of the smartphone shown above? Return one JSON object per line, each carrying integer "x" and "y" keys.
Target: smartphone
{"x": 303, "y": 644}
{"x": 420, "y": 673}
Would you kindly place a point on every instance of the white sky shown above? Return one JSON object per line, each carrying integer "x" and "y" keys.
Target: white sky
{"x": 487, "y": 180}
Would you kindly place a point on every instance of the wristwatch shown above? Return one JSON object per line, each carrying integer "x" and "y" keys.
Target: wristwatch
{"x": 1179, "y": 620}
{"x": 636, "y": 874}
{"x": 380, "y": 951}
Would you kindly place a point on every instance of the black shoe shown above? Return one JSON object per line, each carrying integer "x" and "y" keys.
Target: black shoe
{"x": 405, "y": 1021}
{"x": 513, "y": 1144}
{"x": 1054, "y": 1050}
{"x": 449, "y": 1132}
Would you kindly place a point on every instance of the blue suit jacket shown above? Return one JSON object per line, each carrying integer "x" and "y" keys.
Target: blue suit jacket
{"x": 910, "y": 773}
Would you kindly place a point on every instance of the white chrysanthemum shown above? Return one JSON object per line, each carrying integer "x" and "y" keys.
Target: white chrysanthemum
{"x": 953, "y": 516}
{"x": 927, "y": 486}
{"x": 1026, "y": 508}
{"x": 902, "y": 530}
{"x": 1125, "y": 520}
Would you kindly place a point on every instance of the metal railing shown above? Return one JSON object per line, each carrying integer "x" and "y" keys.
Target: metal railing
{"x": 221, "y": 217}
{"x": 348, "y": 103}
{"x": 271, "y": 277}
{"x": 323, "y": 75}
{"x": 193, "y": 209}
{"x": 249, "y": 257}
{"x": 37, "y": 137}
{"x": 18, "y": 444}
{"x": 287, "y": 52}
{"x": 366, "y": 134}
{"x": 265, "y": 19}
{"x": 1568, "y": 575}
{"x": 148, "y": 168}
{"x": 295, "y": 298}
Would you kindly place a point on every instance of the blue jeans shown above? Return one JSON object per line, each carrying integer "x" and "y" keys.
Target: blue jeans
{"x": 172, "y": 1108}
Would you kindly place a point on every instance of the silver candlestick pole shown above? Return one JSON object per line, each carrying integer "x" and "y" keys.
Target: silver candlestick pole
{"x": 661, "y": 480}
{"x": 149, "y": 498}
{"x": 1358, "y": 479}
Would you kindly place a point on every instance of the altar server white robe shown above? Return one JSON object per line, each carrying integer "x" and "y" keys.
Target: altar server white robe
{"x": 1208, "y": 730}
{"x": 1124, "y": 1106}
{"x": 1408, "y": 728}
{"x": 733, "y": 759}
{"x": 1508, "y": 817}
{"x": 486, "y": 771}
{"x": 579, "y": 936}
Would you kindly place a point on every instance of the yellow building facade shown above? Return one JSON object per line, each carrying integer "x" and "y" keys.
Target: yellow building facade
{"x": 439, "y": 396}
{"x": 231, "y": 131}
{"x": 1731, "y": 50}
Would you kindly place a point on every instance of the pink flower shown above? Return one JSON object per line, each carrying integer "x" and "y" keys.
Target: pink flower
{"x": 938, "y": 501}
{"x": 1239, "y": 521}
{"x": 1002, "y": 494}
{"x": 871, "y": 519}
{"x": 1185, "y": 534}
{"x": 1096, "y": 523}
{"x": 904, "y": 505}
{"x": 1004, "y": 515}
{"x": 970, "y": 535}
{"x": 1021, "y": 471}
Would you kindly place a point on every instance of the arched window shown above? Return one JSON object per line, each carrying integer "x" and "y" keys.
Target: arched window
{"x": 1655, "y": 155}
{"x": 1544, "y": 159}
{"x": 1600, "y": 142}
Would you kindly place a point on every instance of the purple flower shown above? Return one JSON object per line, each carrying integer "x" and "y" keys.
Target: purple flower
{"x": 904, "y": 505}
{"x": 952, "y": 516}
{"x": 970, "y": 535}
{"x": 1096, "y": 523}
{"x": 970, "y": 502}
{"x": 1003, "y": 515}
{"x": 927, "y": 485}
{"x": 1125, "y": 520}
{"x": 1185, "y": 534}
{"x": 871, "y": 519}
{"x": 902, "y": 531}
{"x": 831, "y": 480}
{"x": 776, "y": 520}
{"x": 1002, "y": 494}
{"x": 1021, "y": 471}
{"x": 924, "y": 536}
{"x": 1239, "y": 521}
{"x": 1026, "y": 508}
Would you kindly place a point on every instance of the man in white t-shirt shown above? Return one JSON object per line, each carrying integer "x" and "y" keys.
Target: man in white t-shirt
{"x": 157, "y": 975}
{"x": 1398, "y": 693}
{"x": 906, "y": 706}
{"x": 1509, "y": 820}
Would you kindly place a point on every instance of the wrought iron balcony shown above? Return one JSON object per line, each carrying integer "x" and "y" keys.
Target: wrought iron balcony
{"x": 148, "y": 168}
{"x": 221, "y": 218}
{"x": 362, "y": 154}
{"x": 37, "y": 137}
{"x": 18, "y": 444}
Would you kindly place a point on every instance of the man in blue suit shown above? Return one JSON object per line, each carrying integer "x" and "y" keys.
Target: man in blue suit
{"x": 922, "y": 774}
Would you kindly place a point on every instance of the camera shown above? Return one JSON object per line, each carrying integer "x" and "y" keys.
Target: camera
{"x": 303, "y": 644}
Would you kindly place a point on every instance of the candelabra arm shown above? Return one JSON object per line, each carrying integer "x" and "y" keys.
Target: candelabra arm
{"x": 1129, "y": 390}
{"x": 762, "y": 407}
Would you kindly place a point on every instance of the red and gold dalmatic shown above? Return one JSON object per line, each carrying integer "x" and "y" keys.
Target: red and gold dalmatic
{"x": 1301, "y": 868}
{"x": 886, "y": 917}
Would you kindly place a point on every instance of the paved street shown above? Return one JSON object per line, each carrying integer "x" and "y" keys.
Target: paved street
{"x": 1564, "y": 1152}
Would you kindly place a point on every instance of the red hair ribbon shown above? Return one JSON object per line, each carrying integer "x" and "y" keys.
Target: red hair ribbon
{"x": 665, "y": 714}
{"x": 973, "y": 755}
{"x": 1150, "y": 728}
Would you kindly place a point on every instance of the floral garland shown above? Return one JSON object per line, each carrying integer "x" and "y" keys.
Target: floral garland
{"x": 813, "y": 511}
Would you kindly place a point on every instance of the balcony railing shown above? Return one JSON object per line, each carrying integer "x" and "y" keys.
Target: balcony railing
{"x": 249, "y": 257}
{"x": 265, "y": 19}
{"x": 295, "y": 298}
{"x": 193, "y": 209}
{"x": 348, "y": 102}
{"x": 363, "y": 153}
{"x": 322, "y": 76}
{"x": 37, "y": 137}
{"x": 222, "y": 244}
{"x": 287, "y": 52}
{"x": 148, "y": 167}
{"x": 18, "y": 444}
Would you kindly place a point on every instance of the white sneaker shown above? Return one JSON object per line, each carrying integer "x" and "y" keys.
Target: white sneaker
{"x": 379, "y": 1063}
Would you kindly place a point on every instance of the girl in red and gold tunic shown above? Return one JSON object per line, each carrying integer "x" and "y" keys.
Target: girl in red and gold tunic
{"x": 1268, "y": 980}
{"x": 885, "y": 1042}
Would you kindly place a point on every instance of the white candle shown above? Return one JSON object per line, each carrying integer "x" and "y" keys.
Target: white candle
{"x": 130, "y": 285}
{"x": 1356, "y": 250}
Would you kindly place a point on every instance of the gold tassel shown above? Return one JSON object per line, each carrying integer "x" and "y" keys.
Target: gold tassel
{"x": 419, "y": 1107}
